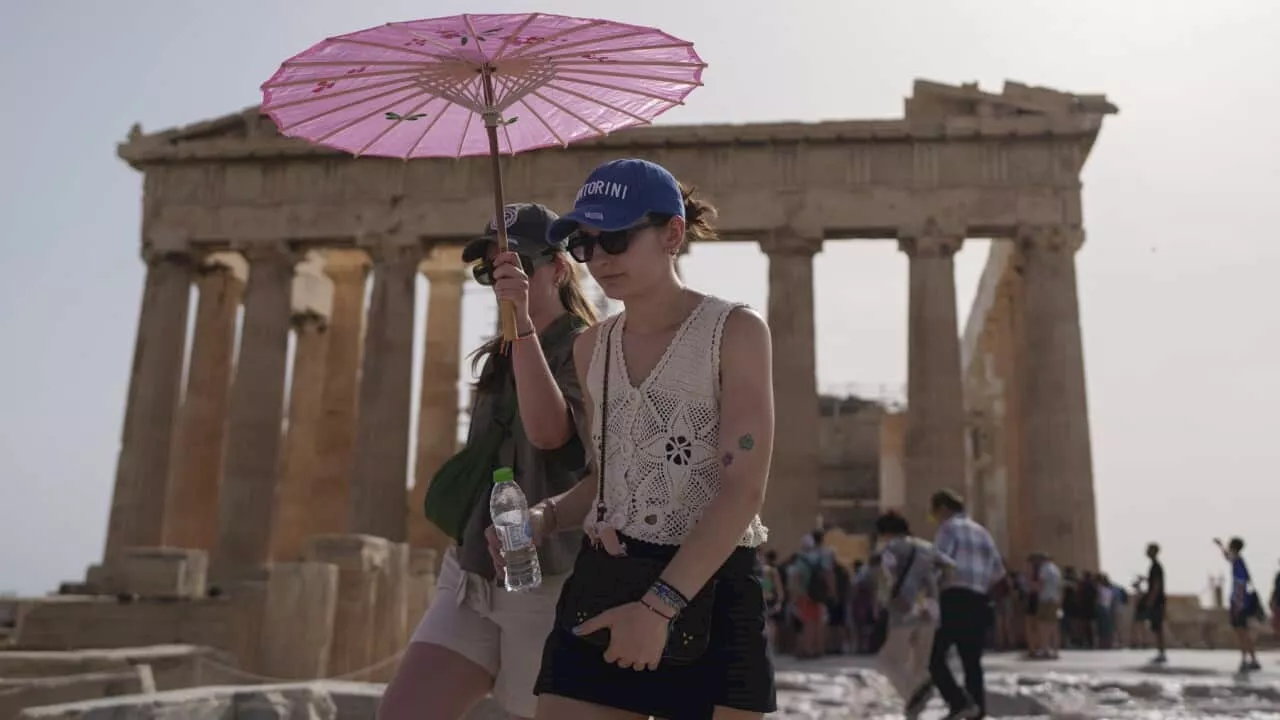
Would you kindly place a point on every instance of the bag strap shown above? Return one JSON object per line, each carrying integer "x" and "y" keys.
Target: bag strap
{"x": 902, "y": 576}
{"x": 604, "y": 423}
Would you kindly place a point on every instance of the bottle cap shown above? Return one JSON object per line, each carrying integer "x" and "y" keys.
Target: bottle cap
{"x": 503, "y": 474}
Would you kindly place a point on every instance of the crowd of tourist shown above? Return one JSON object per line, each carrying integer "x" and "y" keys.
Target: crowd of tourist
{"x": 1041, "y": 609}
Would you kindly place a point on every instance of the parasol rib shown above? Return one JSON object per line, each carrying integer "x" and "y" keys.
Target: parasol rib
{"x": 619, "y": 51}
{"x": 569, "y": 112}
{"x": 398, "y": 86}
{"x": 394, "y": 48}
{"x": 412, "y": 148}
{"x": 352, "y": 123}
{"x": 462, "y": 139}
{"x": 475, "y": 35}
{"x": 340, "y": 108}
{"x": 392, "y": 126}
{"x": 598, "y": 101}
{"x": 632, "y": 76}
{"x": 545, "y": 124}
{"x": 583, "y": 43}
{"x": 640, "y": 63}
{"x": 416, "y": 35}
{"x": 506, "y": 42}
{"x": 336, "y": 78}
{"x": 348, "y": 63}
{"x": 522, "y": 52}
{"x": 619, "y": 88}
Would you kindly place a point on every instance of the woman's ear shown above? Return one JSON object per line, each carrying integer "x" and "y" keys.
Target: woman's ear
{"x": 564, "y": 270}
{"x": 675, "y": 236}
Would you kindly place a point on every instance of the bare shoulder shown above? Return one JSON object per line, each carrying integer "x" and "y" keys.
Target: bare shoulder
{"x": 584, "y": 344}
{"x": 746, "y": 330}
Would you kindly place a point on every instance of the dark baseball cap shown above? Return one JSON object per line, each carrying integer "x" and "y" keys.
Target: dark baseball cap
{"x": 527, "y": 232}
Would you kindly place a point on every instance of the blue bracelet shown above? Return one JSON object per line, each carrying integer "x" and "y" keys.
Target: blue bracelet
{"x": 669, "y": 595}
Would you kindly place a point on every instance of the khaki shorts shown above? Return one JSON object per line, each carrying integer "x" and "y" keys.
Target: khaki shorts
{"x": 1047, "y": 611}
{"x": 501, "y": 632}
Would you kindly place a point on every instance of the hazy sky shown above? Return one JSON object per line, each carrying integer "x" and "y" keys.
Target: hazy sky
{"x": 1179, "y": 280}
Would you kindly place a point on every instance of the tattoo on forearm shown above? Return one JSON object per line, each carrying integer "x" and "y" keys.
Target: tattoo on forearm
{"x": 746, "y": 442}
{"x": 727, "y": 459}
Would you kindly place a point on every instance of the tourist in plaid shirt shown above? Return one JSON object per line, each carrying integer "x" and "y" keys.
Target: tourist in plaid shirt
{"x": 966, "y": 603}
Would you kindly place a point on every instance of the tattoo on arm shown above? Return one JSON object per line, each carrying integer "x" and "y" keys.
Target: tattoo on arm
{"x": 746, "y": 442}
{"x": 727, "y": 459}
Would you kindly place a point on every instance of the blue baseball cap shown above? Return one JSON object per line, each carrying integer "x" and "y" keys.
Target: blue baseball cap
{"x": 618, "y": 194}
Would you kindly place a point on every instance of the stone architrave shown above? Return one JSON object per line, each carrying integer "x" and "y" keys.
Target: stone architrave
{"x": 312, "y": 304}
{"x": 142, "y": 470}
{"x": 191, "y": 516}
{"x": 380, "y": 478}
{"x": 248, "y": 496}
{"x": 934, "y": 450}
{"x": 791, "y": 503}
{"x": 1058, "y": 457}
{"x": 336, "y": 433}
{"x": 438, "y": 401}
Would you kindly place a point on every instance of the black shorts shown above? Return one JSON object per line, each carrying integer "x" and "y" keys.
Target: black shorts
{"x": 1239, "y": 618}
{"x": 1155, "y": 617}
{"x": 735, "y": 672}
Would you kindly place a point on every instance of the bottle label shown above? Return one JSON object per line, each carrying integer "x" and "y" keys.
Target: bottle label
{"x": 515, "y": 537}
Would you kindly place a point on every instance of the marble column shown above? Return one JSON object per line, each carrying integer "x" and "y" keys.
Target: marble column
{"x": 142, "y": 470}
{"x": 380, "y": 479}
{"x": 248, "y": 497}
{"x": 1007, "y": 348}
{"x": 438, "y": 400}
{"x": 292, "y": 524}
{"x": 336, "y": 433}
{"x": 191, "y": 516}
{"x": 934, "y": 451}
{"x": 791, "y": 504}
{"x": 1057, "y": 455}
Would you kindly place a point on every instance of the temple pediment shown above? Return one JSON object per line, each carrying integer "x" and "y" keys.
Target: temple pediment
{"x": 935, "y": 110}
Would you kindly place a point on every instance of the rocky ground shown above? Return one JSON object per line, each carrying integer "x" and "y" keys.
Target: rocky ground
{"x": 1084, "y": 685}
{"x": 1115, "y": 685}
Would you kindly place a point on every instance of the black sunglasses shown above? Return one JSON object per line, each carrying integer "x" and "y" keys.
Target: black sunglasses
{"x": 582, "y": 247}
{"x": 482, "y": 271}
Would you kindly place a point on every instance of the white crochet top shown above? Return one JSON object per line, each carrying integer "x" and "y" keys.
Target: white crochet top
{"x": 663, "y": 466}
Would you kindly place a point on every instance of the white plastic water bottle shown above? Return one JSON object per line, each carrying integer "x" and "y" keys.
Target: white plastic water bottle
{"x": 514, "y": 526}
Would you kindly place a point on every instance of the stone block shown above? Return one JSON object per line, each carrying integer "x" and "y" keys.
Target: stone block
{"x": 267, "y": 702}
{"x": 101, "y": 622}
{"x": 152, "y": 572}
{"x": 360, "y": 559}
{"x": 297, "y": 626}
{"x": 392, "y": 614}
{"x": 171, "y": 667}
{"x": 19, "y": 693}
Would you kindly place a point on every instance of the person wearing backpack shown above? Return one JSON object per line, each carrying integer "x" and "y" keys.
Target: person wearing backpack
{"x": 812, "y": 585}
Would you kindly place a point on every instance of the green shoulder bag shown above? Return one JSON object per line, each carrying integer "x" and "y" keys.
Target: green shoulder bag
{"x": 466, "y": 478}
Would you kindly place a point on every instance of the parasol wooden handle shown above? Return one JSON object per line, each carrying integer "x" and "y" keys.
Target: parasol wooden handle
{"x": 507, "y": 316}
{"x": 492, "y": 119}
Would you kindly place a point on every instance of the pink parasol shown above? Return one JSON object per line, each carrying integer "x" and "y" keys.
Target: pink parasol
{"x": 479, "y": 84}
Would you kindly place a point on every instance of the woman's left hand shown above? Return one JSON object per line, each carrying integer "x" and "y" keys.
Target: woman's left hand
{"x": 637, "y": 635}
{"x": 511, "y": 283}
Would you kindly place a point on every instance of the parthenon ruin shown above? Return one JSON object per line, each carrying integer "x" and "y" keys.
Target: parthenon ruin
{"x": 289, "y": 234}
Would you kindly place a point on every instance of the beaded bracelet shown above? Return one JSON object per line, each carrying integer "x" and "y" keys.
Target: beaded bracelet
{"x": 657, "y": 612}
{"x": 669, "y": 595}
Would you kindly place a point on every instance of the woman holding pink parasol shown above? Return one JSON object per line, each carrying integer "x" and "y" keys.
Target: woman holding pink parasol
{"x": 663, "y": 614}
{"x": 476, "y": 638}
